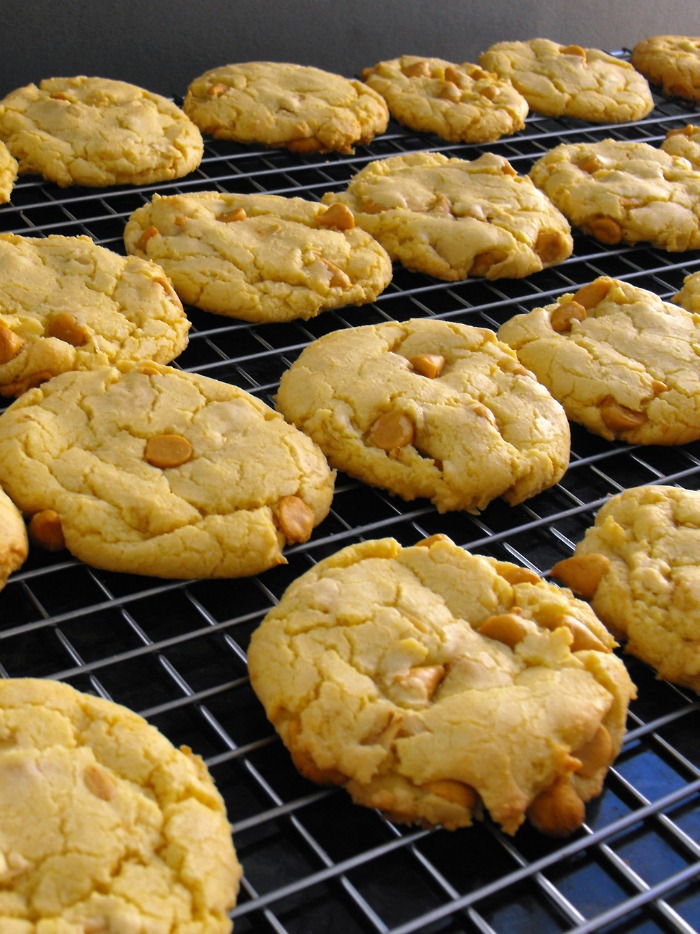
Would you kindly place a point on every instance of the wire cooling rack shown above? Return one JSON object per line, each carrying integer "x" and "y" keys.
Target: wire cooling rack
{"x": 175, "y": 651}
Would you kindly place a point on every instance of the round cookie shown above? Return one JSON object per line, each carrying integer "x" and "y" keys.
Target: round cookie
{"x": 684, "y": 142}
{"x": 639, "y": 566}
{"x": 286, "y": 105}
{"x": 460, "y": 103}
{"x": 13, "y": 538}
{"x": 623, "y": 191}
{"x": 151, "y": 470}
{"x": 8, "y": 173}
{"x": 451, "y": 218}
{"x": 98, "y": 132}
{"x": 673, "y": 62}
{"x": 259, "y": 257}
{"x": 428, "y": 408}
{"x": 689, "y": 295}
{"x": 569, "y": 81}
{"x": 441, "y": 686}
{"x": 621, "y": 361}
{"x": 68, "y": 304}
{"x": 106, "y": 826}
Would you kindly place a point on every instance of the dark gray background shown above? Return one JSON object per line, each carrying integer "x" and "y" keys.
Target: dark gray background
{"x": 163, "y": 44}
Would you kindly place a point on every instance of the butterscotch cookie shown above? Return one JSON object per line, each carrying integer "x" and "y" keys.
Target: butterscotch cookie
{"x": 639, "y": 566}
{"x": 151, "y": 470}
{"x": 13, "y": 538}
{"x": 440, "y": 686}
{"x": 8, "y": 173}
{"x": 259, "y": 257}
{"x": 452, "y": 218}
{"x": 689, "y": 295}
{"x": 621, "y": 361}
{"x": 286, "y": 105}
{"x": 68, "y": 304}
{"x": 684, "y": 142}
{"x": 570, "y": 81}
{"x": 428, "y": 408}
{"x": 623, "y": 191}
{"x": 673, "y": 62}
{"x": 98, "y": 132}
{"x": 458, "y": 102}
{"x": 106, "y": 825}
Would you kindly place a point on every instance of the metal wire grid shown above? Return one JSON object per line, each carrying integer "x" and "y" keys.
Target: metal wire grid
{"x": 175, "y": 651}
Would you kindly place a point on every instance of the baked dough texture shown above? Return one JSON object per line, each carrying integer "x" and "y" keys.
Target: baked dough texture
{"x": 441, "y": 686}
{"x": 282, "y": 104}
{"x": 97, "y": 132}
{"x": 150, "y": 470}
{"x": 259, "y": 257}
{"x": 639, "y": 566}
{"x": 458, "y": 102}
{"x": 689, "y": 295}
{"x": 106, "y": 826}
{"x": 623, "y": 191}
{"x": 673, "y": 62}
{"x": 67, "y": 303}
{"x": 684, "y": 142}
{"x": 570, "y": 81}
{"x": 13, "y": 538}
{"x": 8, "y": 173}
{"x": 621, "y": 361}
{"x": 428, "y": 408}
{"x": 452, "y": 218}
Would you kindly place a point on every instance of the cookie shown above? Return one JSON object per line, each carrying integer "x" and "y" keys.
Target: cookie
{"x": 98, "y": 132}
{"x": 621, "y": 361}
{"x": 621, "y": 191}
{"x": 673, "y": 62}
{"x": 259, "y": 257}
{"x": 286, "y": 105}
{"x": 106, "y": 826}
{"x": 151, "y": 470}
{"x": 639, "y": 566}
{"x": 13, "y": 538}
{"x": 8, "y": 173}
{"x": 441, "y": 686}
{"x": 428, "y": 408}
{"x": 684, "y": 142}
{"x": 458, "y": 102}
{"x": 68, "y": 304}
{"x": 689, "y": 295}
{"x": 569, "y": 81}
{"x": 451, "y": 218}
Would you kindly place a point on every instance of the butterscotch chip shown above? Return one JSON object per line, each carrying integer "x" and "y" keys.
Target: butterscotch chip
{"x": 13, "y": 538}
{"x": 68, "y": 304}
{"x": 582, "y": 573}
{"x": 648, "y": 594}
{"x": 109, "y": 449}
{"x": 452, "y": 218}
{"x": 296, "y": 519}
{"x": 483, "y": 430}
{"x": 259, "y": 257}
{"x": 100, "y": 815}
{"x": 624, "y": 366}
{"x": 458, "y": 102}
{"x": 673, "y": 62}
{"x": 570, "y": 81}
{"x": 639, "y": 193}
{"x": 46, "y": 530}
{"x": 299, "y": 107}
{"x": 428, "y": 364}
{"x": 98, "y": 132}
{"x": 375, "y": 670}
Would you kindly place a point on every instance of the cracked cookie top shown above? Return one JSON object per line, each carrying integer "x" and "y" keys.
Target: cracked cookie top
{"x": 259, "y": 257}
{"x": 441, "y": 686}
{"x": 673, "y": 62}
{"x": 146, "y": 469}
{"x": 282, "y": 104}
{"x": 458, "y": 102}
{"x": 106, "y": 826}
{"x": 428, "y": 408}
{"x": 452, "y": 218}
{"x": 98, "y": 132}
{"x": 570, "y": 81}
